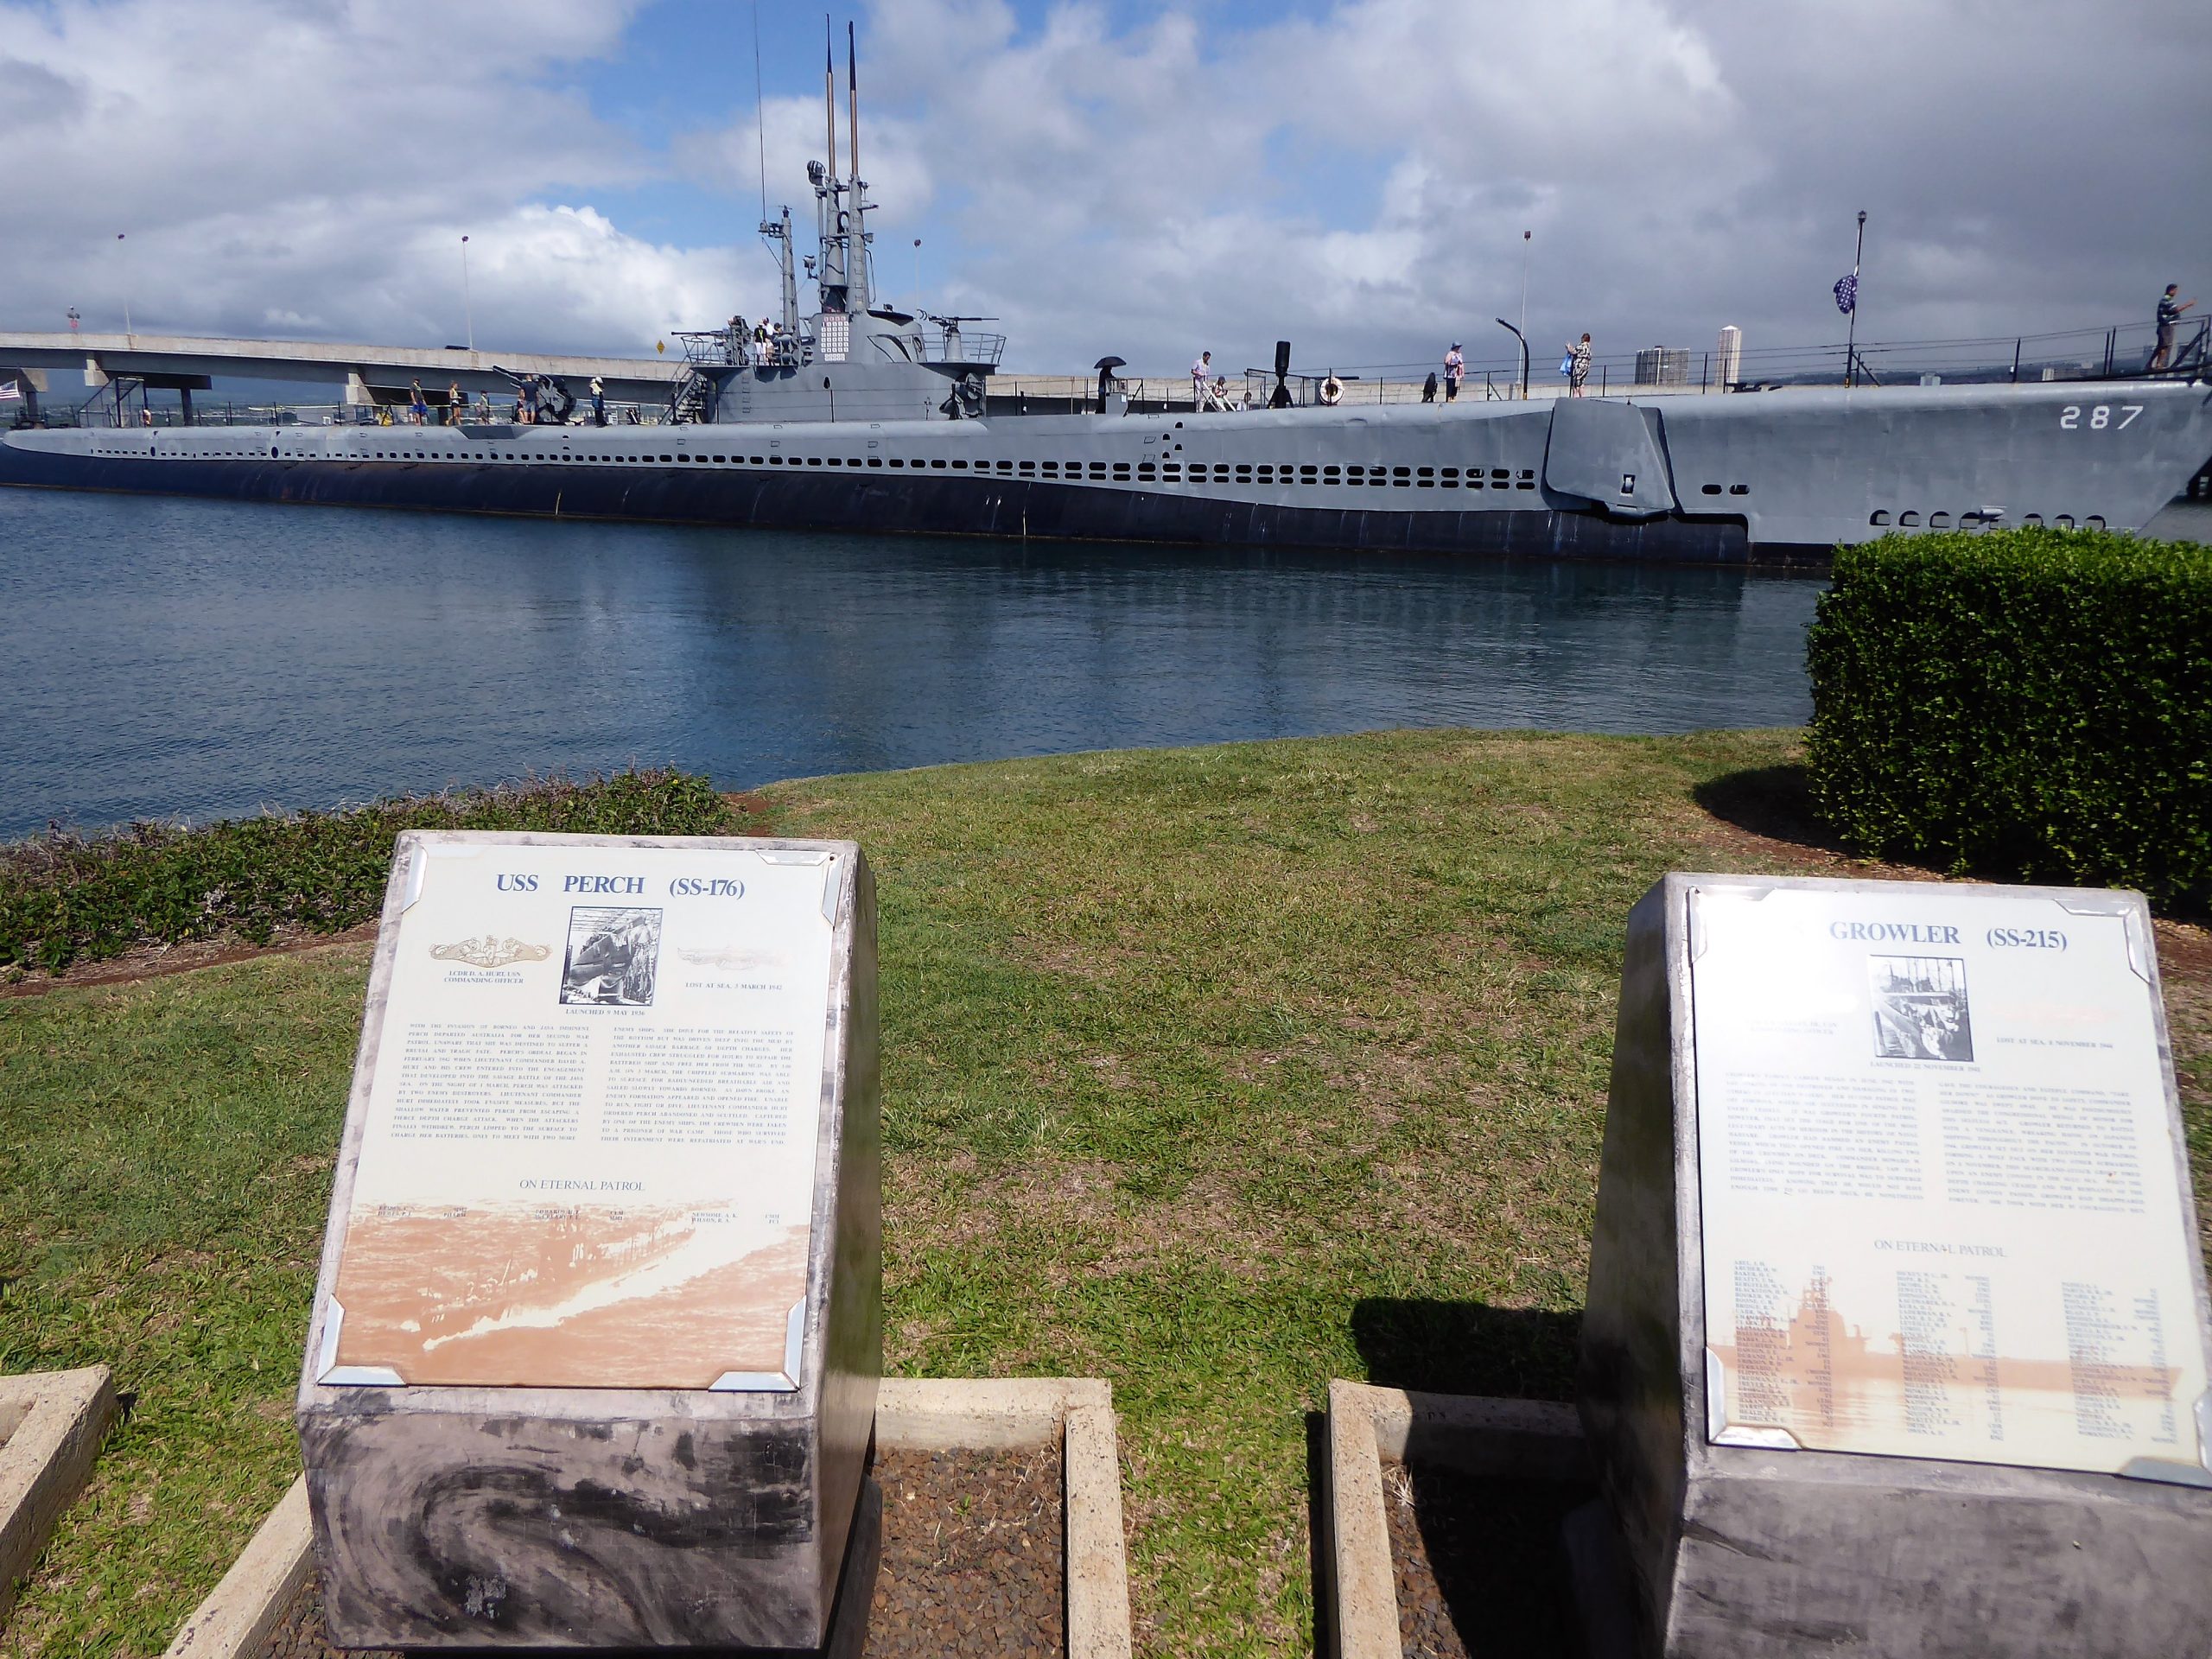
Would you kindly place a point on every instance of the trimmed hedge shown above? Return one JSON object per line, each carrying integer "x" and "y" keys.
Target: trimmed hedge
{"x": 65, "y": 898}
{"x": 2030, "y": 704}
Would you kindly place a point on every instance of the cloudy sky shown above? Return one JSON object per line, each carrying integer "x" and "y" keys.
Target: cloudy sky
{"x": 1134, "y": 178}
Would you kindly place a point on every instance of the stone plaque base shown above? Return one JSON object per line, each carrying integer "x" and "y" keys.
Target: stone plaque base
{"x": 1748, "y": 1550}
{"x": 576, "y": 1518}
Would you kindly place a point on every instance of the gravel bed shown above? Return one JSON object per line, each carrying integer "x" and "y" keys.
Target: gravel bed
{"x": 1480, "y": 1568}
{"x": 972, "y": 1555}
{"x": 972, "y": 1563}
{"x": 301, "y": 1636}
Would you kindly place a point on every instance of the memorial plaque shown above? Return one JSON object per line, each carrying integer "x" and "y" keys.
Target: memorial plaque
{"x": 1897, "y": 1332}
{"x": 593, "y": 1355}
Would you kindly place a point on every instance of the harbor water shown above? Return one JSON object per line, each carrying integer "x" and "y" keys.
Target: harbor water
{"x": 174, "y": 659}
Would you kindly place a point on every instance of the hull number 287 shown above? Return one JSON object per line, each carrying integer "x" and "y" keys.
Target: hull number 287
{"x": 2100, "y": 417}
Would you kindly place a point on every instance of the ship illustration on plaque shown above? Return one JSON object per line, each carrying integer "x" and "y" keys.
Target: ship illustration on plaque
{"x": 1920, "y": 1009}
{"x": 490, "y": 952}
{"x": 613, "y": 956}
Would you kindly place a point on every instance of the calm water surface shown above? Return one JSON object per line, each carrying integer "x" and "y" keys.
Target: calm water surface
{"x": 183, "y": 659}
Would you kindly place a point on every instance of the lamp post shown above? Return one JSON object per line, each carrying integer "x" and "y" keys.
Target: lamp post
{"x": 468, "y": 312}
{"x": 1523, "y": 339}
{"x": 1525, "y": 235}
{"x": 1851, "y": 334}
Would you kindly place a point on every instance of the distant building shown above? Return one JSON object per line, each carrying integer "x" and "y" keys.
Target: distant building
{"x": 1728, "y": 361}
{"x": 1663, "y": 366}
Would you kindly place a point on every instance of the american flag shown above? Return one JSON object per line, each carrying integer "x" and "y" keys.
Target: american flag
{"x": 9, "y": 393}
{"x": 1846, "y": 293}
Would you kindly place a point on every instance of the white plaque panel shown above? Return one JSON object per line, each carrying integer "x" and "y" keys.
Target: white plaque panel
{"x": 594, "y": 1101}
{"x": 1942, "y": 1209}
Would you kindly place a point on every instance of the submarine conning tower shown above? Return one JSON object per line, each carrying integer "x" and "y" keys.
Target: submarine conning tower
{"x": 854, "y": 358}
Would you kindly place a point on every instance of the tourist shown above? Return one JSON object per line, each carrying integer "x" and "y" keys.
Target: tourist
{"x": 1199, "y": 371}
{"x": 2170, "y": 310}
{"x": 1578, "y": 365}
{"x": 456, "y": 403}
{"x": 418, "y": 406}
{"x": 598, "y": 401}
{"x": 1454, "y": 366}
{"x": 1428, "y": 389}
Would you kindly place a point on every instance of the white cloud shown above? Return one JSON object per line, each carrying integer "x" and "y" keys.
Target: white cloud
{"x": 1356, "y": 179}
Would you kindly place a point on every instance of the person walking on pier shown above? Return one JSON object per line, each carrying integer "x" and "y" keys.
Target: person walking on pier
{"x": 1454, "y": 366}
{"x": 2170, "y": 310}
{"x": 418, "y": 406}
{"x": 456, "y": 403}
{"x": 1578, "y": 365}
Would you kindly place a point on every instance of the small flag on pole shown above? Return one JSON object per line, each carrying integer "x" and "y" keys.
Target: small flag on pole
{"x": 11, "y": 393}
{"x": 1846, "y": 293}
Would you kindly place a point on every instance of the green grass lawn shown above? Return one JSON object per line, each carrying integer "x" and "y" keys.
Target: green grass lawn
{"x": 1215, "y": 1072}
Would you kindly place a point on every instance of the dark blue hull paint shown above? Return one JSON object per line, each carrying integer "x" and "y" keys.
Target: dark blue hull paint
{"x": 925, "y": 505}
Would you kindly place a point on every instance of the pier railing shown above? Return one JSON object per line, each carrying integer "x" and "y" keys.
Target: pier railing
{"x": 2119, "y": 351}
{"x": 2123, "y": 350}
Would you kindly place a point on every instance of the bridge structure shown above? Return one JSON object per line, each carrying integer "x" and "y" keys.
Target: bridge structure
{"x": 371, "y": 374}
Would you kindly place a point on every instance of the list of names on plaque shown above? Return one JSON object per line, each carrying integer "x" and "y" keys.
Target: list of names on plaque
{"x": 587, "y": 1157}
{"x": 1941, "y": 1210}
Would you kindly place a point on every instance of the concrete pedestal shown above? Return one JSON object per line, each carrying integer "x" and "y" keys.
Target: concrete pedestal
{"x": 1741, "y": 1550}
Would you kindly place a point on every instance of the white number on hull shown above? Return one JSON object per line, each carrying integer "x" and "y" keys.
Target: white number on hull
{"x": 2099, "y": 416}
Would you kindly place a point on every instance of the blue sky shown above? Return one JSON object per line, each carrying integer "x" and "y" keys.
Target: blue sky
{"x": 1136, "y": 179}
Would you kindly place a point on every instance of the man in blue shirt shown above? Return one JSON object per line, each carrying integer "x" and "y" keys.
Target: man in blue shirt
{"x": 2170, "y": 310}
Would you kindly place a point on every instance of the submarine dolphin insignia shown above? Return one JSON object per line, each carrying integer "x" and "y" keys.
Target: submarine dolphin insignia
{"x": 863, "y": 417}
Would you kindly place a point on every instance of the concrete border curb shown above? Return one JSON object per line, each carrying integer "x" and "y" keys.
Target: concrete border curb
{"x": 242, "y": 1612}
{"x": 912, "y": 1414}
{"x": 51, "y": 1426}
{"x": 939, "y": 1414}
{"x": 1528, "y": 1440}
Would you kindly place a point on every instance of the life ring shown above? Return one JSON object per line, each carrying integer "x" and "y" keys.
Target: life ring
{"x": 1331, "y": 389}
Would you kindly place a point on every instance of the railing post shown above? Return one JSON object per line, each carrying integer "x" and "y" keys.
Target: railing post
{"x": 2016, "y": 362}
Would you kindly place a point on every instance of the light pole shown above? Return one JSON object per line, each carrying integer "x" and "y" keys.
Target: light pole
{"x": 467, "y": 314}
{"x": 1525, "y": 235}
{"x": 1851, "y": 334}
{"x": 1523, "y": 339}
{"x": 120, "y": 251}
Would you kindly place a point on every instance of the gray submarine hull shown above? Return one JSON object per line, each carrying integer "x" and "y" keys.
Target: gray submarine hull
{"x": 1779, "y": 478}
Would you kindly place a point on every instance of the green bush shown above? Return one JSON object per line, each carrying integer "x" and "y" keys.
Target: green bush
{"x": 2030, "y": 704}
{"x": 65, "y": 898}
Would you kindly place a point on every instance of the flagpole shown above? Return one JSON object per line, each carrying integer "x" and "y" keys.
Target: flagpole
{"x": 1850, "y": 335}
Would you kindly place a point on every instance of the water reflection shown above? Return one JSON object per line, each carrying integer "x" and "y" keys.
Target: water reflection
{"x": 168, "y": 658}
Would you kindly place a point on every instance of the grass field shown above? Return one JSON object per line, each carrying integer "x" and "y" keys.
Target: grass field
{"x": 1215, "y": 1072}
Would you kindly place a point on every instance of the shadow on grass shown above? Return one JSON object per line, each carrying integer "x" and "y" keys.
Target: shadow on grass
{"x": 1776, "y": 802}
{"x": 1520, "y": 1353}
{"x": 1481, "y": 1566}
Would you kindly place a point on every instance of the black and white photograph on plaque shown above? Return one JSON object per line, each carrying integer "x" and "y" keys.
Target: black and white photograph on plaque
{"x": 1920, "y": 1009}
{"x": 613, "y": 956}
